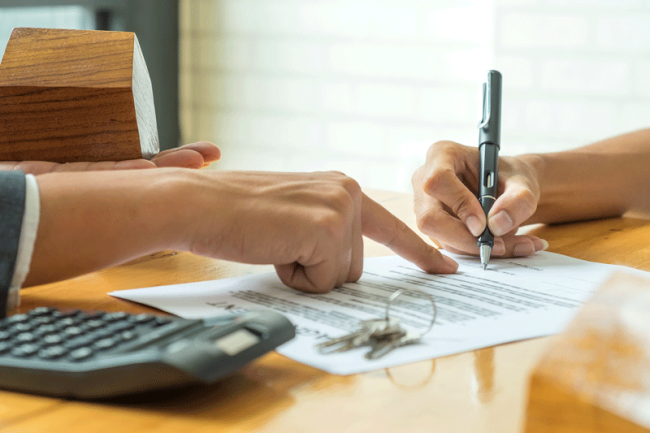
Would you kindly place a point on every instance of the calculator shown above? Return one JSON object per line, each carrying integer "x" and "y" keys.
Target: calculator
{"x": 96, "y": 354}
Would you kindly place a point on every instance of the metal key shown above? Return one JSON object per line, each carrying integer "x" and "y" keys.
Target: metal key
{"x": 389, "y": 342}
{"x": 361, "y": 337}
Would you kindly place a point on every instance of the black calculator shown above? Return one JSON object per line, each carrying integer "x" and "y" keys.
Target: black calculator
{"x": 95, "y": 354}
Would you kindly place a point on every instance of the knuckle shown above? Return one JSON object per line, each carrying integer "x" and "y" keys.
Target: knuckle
{"x": 420, "y": 179}
{"x": 335, "y": 174}
{"x": 425, "y": 222}
{"x": 461, "y": 205}
{"x": 438, "y": 180}
{"x": 439, "y": 146}
{"x": 351, "y": 185}
{"x": 526, "y": 201}
{"x": 343, "y": 184}
{"x": 339, "y": 200}
{"x": 331, "y": 224}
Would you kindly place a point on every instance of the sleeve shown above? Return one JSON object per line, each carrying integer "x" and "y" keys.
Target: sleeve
{"x": 19, "y": 215}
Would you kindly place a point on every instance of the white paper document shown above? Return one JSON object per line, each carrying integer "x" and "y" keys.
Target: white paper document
{"x": 513, "y": 299}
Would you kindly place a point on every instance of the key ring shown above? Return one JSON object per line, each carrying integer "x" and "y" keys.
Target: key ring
{"x": 399, "y": 293}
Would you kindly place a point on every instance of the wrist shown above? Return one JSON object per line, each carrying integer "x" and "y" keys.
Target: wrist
{"x": 170, "y": 211}
{"x": 533, "y": 168}
{"x": 103, "y": 218}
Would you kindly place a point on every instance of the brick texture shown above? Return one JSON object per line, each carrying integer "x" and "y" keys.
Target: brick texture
{"x": 364, "y": 86}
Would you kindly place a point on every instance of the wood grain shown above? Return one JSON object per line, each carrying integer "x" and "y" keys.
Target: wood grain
{"x": 483, "y": 391}
{"x": 74, "y": 95}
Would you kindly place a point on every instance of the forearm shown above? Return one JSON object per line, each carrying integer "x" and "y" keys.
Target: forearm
{"x": 607, "y": 178}
{"x": 309, "y": 225}
{"x": 92, "y": 220}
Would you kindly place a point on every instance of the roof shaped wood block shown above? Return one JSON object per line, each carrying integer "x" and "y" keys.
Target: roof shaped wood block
{"x": 75, "y": 95}
{"x": 595, "y": 376}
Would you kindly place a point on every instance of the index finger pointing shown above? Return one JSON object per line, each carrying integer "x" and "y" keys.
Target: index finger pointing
{"x": 382, "y": 226}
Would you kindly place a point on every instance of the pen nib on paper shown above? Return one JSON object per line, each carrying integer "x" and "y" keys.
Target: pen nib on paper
{"x": 484, "y": 253}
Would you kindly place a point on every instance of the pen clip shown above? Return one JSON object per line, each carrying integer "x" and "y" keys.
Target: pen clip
{"x": 486, "y": 105}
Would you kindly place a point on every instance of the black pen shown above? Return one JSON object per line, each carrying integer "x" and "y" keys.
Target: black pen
{"x": 488, "y": 145}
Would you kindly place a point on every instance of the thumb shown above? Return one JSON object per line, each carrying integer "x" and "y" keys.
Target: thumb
{"x": 517, "y": 204}
{"x": 446, "y": 187}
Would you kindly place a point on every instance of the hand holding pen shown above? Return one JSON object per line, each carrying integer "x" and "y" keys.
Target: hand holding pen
{"x": 489, "y": 143}
{"x": 445, "y": 190}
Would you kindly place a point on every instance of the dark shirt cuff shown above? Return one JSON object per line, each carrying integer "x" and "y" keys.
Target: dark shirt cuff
{"x": 12, "y": 208}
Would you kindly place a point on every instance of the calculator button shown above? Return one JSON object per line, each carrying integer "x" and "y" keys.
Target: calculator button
{"x": 46, "y": 329}
{"x": 72, "y": 331}
{"x": 52, "y": 339}
{"x": 18, "y": 318}
{"x": 120, "y": 326}
{"x": 60, "y": 314}
{"x": 95, "y": 323}
{"x": 105, "y": 343}
{"x": 142, "y": 318}
{"x": 128, "y": 335}
{"x": 81, "y": 354}
{"x": 24, "y": 350}
{"x": 21, "y": 327}
{"x": 4, "y": 335}
{"x": 114, "y": 317}
{"x": 5, "y": 347}
{"x": 41, "y": 320}
{"x": 65, "y": 313}
{"x": 160, "y": 321}
{"x": 41, "y": 311}
{"x": 25, "y": 337}
{"x": 91, "y": 315}
{"x": 52, "y": 352}
{"x": 64, "y": 323}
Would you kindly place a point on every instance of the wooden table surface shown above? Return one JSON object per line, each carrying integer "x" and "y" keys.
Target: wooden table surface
{"x": 480, "y": 391}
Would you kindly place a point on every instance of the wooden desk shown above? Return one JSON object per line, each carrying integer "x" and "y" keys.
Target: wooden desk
{"x": 482, "y": 391}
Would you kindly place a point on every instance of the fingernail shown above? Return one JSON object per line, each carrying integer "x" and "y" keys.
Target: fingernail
{"x": 499, "y": 247}
{"x": 474, "y": 225}
{"x": 501, "y": 223}
{"x": 450, "y": 262}
{"x": 523, "y": 249}
{"x": 539, "y": 244}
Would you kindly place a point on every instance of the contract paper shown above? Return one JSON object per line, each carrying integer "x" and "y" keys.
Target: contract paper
{"x": 514, "y": 299}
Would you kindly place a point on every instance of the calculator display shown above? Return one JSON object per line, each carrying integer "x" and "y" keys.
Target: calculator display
{"x": 237, "y": 342}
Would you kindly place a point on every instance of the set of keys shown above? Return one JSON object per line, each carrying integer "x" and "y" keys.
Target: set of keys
{"x": 382, "y": 335}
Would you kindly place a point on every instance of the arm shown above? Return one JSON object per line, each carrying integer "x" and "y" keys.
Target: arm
{"x": 309, "y": 226}
{"x": 606, "y": 178}
{"x": 20, "y": 202}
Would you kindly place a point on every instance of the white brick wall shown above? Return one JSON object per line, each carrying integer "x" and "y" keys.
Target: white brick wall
{"x": 364, "y": 86}
{"x": 585, "y": 70}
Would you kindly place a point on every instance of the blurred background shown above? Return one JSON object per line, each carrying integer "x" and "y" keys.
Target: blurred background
{"x": 363, "y": 86}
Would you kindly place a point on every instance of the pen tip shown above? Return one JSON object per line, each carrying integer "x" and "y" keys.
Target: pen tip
{"x": 484, "y": 266}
